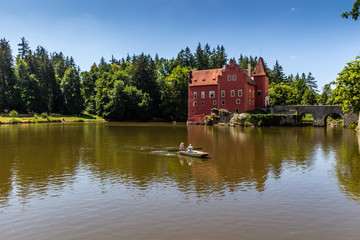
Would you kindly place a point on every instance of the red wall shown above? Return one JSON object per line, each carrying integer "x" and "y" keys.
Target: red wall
{"x": 197, "y": 113}
{"x": 262, "y": 83}
{"x": 247, "y": 100}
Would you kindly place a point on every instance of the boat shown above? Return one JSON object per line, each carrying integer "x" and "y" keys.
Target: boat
{"x": 194, "y": 153}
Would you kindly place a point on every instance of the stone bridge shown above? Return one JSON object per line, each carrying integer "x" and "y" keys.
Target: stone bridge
{"x": 319, "y": 113}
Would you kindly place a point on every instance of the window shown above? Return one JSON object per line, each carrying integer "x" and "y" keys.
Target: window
{"x": 249, "y": 102}
{"x": 237, "y": 101}
{"x": 195, "y": 103}
{"x": 239, "y": 93}
{"x": 253, "y": 102}
{"x": 253, "y": 93}
{"x": 249, "y": 93}
{"x": 202, "y": 94}
{"x": 214, "y": 102}
{"x": 259, "y": 92}
{"x": 202, "y": 104}
{"x": 234, "y": 77}
{"x": 232, "y": 93}
{"x": 195, "y": 94}
{"x": 223, "y": 93}
{"x": 229, "y": 77}
{"x": 222, "y": 102}
{"x": 236, "y": 110}
{"x": 211, "y": 94}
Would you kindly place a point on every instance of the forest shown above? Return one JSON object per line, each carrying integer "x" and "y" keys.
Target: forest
{"x": 134, "y": 87}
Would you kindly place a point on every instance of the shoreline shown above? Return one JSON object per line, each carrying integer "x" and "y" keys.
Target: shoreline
{"x": 51, "y": 118}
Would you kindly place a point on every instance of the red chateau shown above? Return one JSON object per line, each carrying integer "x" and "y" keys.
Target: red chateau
{"x": 230, "y": 87}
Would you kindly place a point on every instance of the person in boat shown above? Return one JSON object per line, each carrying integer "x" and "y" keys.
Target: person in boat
{"x": 190, "y": 148}
{"x": 182, "y": 147}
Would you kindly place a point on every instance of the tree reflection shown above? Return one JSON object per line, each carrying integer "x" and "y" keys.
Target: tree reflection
{"x": 347, "y": 167}
{"x": 42, "y": 160}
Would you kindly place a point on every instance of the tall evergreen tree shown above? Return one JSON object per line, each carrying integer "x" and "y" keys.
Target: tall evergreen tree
{"x": 277, "y": 75}
{"x": 23, "y": 49}
{"x": 7, "y": 78}
{"x": 310, "y": 82}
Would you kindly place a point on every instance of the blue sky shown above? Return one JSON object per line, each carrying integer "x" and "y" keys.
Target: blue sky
{"x": 303, "y": 35}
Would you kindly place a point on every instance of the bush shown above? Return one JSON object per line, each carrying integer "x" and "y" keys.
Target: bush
{"x": 13, "y": 113}
{"x": 13, "y": 120}
{"x": 44, "y": 115}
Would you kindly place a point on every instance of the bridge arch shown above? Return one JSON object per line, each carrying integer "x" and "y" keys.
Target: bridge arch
{"x": 319, "y": 113}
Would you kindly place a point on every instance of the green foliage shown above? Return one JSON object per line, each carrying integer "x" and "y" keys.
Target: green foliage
{"x": 70, "y": 88}
{"x": 354, "y": 13}
{"x": 131, "y": 88}
{"x": 13, "y": 113}
{"x": 174, "y": 95}
{"x": 44, "y": 115}
{"x": 266, "y": 119}
{"x": 282, "y": 94}
{"x": 309, "y": 97}
{"x": 277, "y": 75}
{"x": 347, "y": 90}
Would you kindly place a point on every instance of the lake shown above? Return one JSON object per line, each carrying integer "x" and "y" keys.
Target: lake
{"x": 119, "y": 181}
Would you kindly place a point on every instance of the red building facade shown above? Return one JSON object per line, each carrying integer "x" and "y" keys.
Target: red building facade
{"x": 230, "y": 87}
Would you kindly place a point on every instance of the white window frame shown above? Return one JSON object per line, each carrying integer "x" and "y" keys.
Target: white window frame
{"x": 202, "y": 94}
{"x": 249, "y": 101}
{"x": 214, "y": 102}
{"x": 249, "y": 93}
{"x": 253, "y": 94}
{"x": 234, "y": 77}
{"x": 222, "y": 93}
{"x": 253, "y": 102}
{"x": 239, "y": 92}
{"x": 211, "y": 94}
{"x": 238, "y": 101}
{"x": 195, "y": 94}
{"x": 229, "y": 77}
{"x": 194, "y": 103}
{"x": 232, "y": 93}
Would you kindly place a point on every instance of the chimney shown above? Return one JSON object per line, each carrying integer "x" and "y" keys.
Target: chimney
{"x": 249, "y": 70}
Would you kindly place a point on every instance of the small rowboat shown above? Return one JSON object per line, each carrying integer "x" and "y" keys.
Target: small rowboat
{"x": 194, "y": 153}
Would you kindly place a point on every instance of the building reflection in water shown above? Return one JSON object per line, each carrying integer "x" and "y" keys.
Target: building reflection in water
{"x": 43, "y": 160}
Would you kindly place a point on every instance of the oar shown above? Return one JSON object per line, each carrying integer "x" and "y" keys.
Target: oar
{"x": 175, "y": 150}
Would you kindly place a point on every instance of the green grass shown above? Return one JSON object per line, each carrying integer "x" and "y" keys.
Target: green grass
{"x": 46, "y": 118}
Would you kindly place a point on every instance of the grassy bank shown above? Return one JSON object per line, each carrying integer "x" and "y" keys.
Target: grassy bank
{"x": 46, "y": 118}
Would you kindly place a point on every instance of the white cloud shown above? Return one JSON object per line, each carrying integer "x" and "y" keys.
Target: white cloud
{"x": 293, "y": 9}
{"x": 293, "y": 57}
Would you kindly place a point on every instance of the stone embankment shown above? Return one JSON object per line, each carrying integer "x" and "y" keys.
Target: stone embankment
{"x": 279, "y": 116}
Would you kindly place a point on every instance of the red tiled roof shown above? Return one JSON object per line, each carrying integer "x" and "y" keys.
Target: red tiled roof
{"x": 205, "y": 77}
{"x": 260, "y": 69}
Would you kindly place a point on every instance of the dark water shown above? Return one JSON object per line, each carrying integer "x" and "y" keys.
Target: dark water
{"x": 118, "y": 181}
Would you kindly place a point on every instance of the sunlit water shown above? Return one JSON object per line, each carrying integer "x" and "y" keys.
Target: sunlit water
{"x": 120, "y": 181}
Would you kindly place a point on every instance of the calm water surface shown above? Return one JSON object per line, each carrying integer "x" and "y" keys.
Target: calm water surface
{"x": 119, "y": 181}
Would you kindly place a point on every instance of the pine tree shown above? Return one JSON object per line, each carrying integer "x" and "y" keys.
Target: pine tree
{"x": 189, "y": 58}
{"x": 7, "y": 78}
{"x": 277, "y": 75}
{"x": 310, "y": 82}
{"x": 23, "y": 49}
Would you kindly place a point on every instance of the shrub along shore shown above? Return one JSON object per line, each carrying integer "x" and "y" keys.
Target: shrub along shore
{"x": 14, "y": 118}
